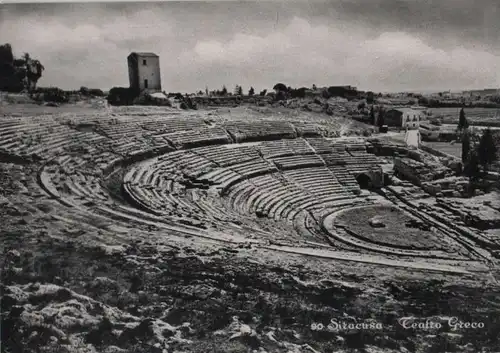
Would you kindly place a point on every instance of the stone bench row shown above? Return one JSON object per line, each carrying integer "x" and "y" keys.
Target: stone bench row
{"x": 253, "y": 167}
{"x": 285, "y": 205}
{"x": 76, "y": 188}
{"x": 306, "y": 129}
{"x": 270, "y": 149}
{"x": 46, "y": 147}
{"x": 322, "y": 145}
{"x": 227, "y": 155}
{"x": 172, "y": 125}
{"x": 298, "y": 161}
{"x": 161, "y": 201}
{"x": 194, "y": 138}
{"x": 169, "y": 200}
{"x": 314, "y": 179}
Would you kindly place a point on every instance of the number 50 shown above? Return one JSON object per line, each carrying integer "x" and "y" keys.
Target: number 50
{"x": 316, "y": 326}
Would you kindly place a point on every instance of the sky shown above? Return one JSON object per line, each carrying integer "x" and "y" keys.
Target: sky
{"x": 379, "y": 45}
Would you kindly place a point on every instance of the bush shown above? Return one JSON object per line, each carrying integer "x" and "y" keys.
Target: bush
{"x": 96, "y": 92}
{"x": 84, "y": 91}
{"x": 370, "y": 97}
{"x": 280, "y": 87}
{"x": 298, "y": 93}
{"x": 51, "y": 94}
{"x": 280, "y": 96}
{"x": 146, "y": 99}
{"x": 121, "y": 96}
{"x": 91, "y": 92}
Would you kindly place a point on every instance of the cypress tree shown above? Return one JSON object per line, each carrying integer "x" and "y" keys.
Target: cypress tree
{"x": 486, "y": 150}
{"x": 462, "y": 121}
{"x": 380, "y": 120}
{"x": 465, "y": 147}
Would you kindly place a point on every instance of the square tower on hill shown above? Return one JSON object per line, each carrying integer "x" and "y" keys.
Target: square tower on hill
{"x": 144, "y": 71}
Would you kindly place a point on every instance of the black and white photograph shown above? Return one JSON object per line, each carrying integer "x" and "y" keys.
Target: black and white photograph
{"x": 305, "y": 176}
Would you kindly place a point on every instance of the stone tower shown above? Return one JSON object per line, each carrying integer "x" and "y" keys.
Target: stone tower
{"x": 144, "y": 72}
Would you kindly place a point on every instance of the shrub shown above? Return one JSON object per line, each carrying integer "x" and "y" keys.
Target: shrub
{"x": 95, "y": 92}
{"x": 280, "y": 87}
{"x": 84, "y": 91}
{"x": 298, "y": 93}
{"x": 367, "y": 133}
{"x": 280, "y": 96}
{"x": 51, "y": 94}
{"x": 121, "y": 96}
{"x": 370, "y": 97}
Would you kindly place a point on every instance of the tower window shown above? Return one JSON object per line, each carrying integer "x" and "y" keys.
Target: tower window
{"x": 145, "y": 83}
{"x": 144, "y": 62}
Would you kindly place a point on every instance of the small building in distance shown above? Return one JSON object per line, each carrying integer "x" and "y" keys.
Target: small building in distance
{"x": 404, "y": 118}
{"x": 144, "y": 72}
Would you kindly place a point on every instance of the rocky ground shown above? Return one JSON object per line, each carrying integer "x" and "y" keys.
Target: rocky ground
{"x": 75, "y": 288}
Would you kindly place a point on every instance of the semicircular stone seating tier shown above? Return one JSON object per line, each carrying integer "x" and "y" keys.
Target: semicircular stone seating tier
{"x": 283, "y": 180}
{"x": 196, "y": 173}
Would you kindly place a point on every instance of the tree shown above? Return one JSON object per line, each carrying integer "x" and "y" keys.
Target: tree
{"x": 462, "y": 121}
{"x": 251, "y": 91}
{"x": 12, "y": 70}
{"x": 263, "y": 93}
{"x": 240, "y": 91}
{"x": 33, "y": 71}
{"x": 370, "y": 97}
{"x": 372, "y": 116}
{"x": 423, "y": 101}
{"x": 224, "y": 91}
{"x": 6, "y": 55}
{"x": 465, "y": 146}
{"x": 280, "y": 87}
{"x": 298, "y": 93}
{"x": 280, "y": 96}
{"x": 471, "y": 168}
{"x": 380, "y": 120}
{"x": 314, "y": 87}
{"x": 486, "y": 149}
